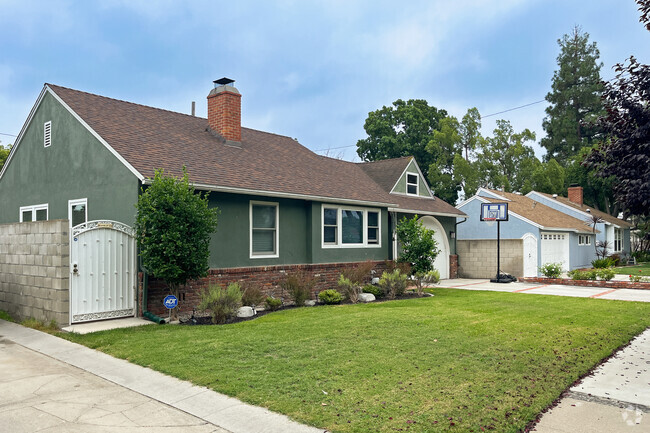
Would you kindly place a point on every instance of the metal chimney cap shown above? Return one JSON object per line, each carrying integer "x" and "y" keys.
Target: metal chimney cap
{"x": 223, "y": 81}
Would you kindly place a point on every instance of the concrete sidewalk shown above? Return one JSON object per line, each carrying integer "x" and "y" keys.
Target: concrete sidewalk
{"x": 549, "y": 289}
{"x": 134, "y": 391}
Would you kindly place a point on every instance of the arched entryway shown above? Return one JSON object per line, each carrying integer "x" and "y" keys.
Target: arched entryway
{"x": 441, "y": 263}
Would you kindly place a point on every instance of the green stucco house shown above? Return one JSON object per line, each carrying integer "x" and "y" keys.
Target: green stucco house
{"x": 85, "y": 158}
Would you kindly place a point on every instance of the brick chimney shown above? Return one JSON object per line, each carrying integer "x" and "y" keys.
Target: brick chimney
{"x": 224, "y": 110}
{"x": 575, "y": 194}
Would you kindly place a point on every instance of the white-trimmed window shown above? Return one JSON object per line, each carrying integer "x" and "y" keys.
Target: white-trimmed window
{"x": 584, "y": 240}
{"x": 412, "y": 184}
{"x": 77, "y": 211}
{"x": 47, "y": 134}
{"x": 38, "y": 212}
{"x": 264, "y": 218}
{"x": 618, "y": 240}
{"x": 349, "y": 227}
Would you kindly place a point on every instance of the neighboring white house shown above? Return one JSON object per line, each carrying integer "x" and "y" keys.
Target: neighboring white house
{"x": 535, "y": 235}
{"x": 615, "y": 231}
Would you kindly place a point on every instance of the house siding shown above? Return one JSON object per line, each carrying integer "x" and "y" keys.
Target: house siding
{"x": 580, "y": 256}
{"x": 75, "y": 166}
{"x": 400, "y": 186}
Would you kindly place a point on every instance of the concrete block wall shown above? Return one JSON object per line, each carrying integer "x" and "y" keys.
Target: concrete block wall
{"x": 478, "y": 258}
{"x": 34, "y": 270}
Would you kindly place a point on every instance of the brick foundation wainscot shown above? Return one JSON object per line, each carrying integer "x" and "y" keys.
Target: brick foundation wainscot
{"x": 268, "y": 278}
{"x": 453, "y": 266}
{"x": 587, "y": 283}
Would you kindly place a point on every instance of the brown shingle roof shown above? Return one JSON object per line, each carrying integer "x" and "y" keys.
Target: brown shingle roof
{"x": 545, "y": 216}
{"x": 150, "y": 138}
{"x": 604, "y": 215}
{"x": 387, "y": 171}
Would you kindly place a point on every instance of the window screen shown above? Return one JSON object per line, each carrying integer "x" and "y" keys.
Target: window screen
{"x": 352, "y": 226}
{"x": 264, "y": 229}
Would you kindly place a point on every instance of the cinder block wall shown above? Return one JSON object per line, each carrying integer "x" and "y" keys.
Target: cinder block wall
{"x": 34, "y": 270}
{"x": 478, "y": 258}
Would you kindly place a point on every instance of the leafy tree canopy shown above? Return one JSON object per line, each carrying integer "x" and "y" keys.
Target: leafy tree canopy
{"x": 403, "y": 129}
{"x": 173, "y": 227}
{"x": 575, "y": 98}
{"x": 4, "y": 154}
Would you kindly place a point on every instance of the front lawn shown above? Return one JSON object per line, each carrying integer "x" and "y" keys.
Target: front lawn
{"x": 639, "y": 269}
{"x": 462, "y": 361}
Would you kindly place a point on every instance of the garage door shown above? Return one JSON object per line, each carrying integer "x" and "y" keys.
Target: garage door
{"x": 555, "y": 249}
{"x": 441, "y": 263}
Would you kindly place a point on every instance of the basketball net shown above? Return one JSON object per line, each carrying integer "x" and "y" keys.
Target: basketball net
{"x": 490, "y": 221}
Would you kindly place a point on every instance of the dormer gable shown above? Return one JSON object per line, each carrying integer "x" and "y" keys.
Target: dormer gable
{"x": 412, "y": 182}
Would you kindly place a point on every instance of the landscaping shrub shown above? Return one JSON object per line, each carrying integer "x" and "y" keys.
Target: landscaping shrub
{"x": 616, "y": 259}
{"x": 359, "y": 274}
{"x": 349, "y": 289}
{"x": 393, "y": 283}
{"x": 272, "y": 303}
{"x": 639, "y": 279}
{"x": 375, "y": 290}
{"x": 641, "y": 256}
{"x": 222, "y": 304}
{"x": 252, "y": 295}
{"x": 424, "y": 278}
{"x": 298, "y": 286}
{"x": 605, "y": 274}
{"x": 551, "y": 270}
{"x": 330, "y": 296}
{"x": 578, "y": 274}
{"x": 603, "y": 263}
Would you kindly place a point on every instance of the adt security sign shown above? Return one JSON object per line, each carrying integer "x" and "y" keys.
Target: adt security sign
{"x": 170, "y": 301}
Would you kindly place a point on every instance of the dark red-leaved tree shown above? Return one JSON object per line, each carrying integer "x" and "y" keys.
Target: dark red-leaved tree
{"x": 626, "y": 153}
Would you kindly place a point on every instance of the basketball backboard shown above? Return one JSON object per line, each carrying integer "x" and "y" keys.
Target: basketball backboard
{"x": 494, "y": 211}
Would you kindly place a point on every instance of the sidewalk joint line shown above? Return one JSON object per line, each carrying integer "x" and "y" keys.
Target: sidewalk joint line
{"x": 603, "y": 293}
{"x": 530, "y": 288}
{"x": 607, "y": 401}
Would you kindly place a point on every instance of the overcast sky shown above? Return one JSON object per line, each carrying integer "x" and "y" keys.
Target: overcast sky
{"x": 311, "y": 70}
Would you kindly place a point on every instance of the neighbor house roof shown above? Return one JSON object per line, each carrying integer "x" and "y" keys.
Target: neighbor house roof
{"x": 151, "y": 138}
{"x": 603, "y": 215}
{"x": 538, "y": 213}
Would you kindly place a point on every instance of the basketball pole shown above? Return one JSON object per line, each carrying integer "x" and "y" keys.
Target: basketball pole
{"x": 498, "y": 249}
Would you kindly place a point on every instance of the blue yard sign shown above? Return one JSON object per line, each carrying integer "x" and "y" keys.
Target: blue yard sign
{"x": 170, "y": 301}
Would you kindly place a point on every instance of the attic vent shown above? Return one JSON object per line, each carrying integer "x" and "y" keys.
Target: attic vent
{"x": 47, "y": 134}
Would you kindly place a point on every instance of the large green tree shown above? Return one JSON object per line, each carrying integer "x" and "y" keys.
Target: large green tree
{"x": 173, "y": 227}
{"x": 443, "y": 146}
{"x": 402, "y": 129}
{"x": 575, "y": 98}
{"x": 505, "y": 161}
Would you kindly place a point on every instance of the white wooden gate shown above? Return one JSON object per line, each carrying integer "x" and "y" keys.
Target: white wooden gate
{"x": 530, "y": 255}
{"x": 102, "y": 271}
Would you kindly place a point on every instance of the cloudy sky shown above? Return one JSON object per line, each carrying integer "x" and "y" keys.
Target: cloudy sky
{"x": 307, "y": 69}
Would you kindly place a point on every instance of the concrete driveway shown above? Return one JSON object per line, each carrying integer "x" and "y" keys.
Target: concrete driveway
{"x": 549, "y": 289}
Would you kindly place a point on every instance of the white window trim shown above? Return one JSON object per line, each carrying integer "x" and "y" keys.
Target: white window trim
{"x": 47, "y": 141}
{"x": 584, "y": 240}
{"x": 75, "y": 202}
{"x": 33, "y": 209}
{"x": 277, "y": 229}
{"x": 339, "y": 229}
{"x": 417, "y": 183}
{"x": 618, "y": 239}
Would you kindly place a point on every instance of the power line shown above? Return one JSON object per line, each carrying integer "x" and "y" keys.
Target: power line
{"x": 515, "y": 108}
{"x": 10, "y": 135}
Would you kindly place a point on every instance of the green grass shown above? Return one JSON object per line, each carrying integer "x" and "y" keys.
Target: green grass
{"x": 461, "y": 361}
{"x": 640, "y": 269}
{"x": 5, "y": 316}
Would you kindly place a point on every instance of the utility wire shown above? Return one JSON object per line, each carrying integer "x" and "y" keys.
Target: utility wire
{"x": 482, "y": 117}
{"x": 10, "y": 135}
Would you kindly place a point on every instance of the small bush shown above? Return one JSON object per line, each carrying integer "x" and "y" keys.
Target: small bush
{"x": 639, "y": 279}
{"x": 551, "y": 270}
{"x": 330, "y": 296}
{"x": 578, "y": 274}
{"x": 616, "y": 259}
{"x": 349, "y": 289}
{"x": 602, "y": 263}
{"x": 375, "y": 290}
{"x": 641, "y": 256}
{"x": 359, "y": 274}
{"x": 393, "y": 283}
{"x": 222, "y": 304}
{"x": 298, "y": 286}
{"x": 252, "y": 295}
{"x": 422, "y": 279}
{"x": 272, "y": 303}
{"x": 605, "y": 274}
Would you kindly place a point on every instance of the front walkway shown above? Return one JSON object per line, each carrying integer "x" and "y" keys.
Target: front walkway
{"x": 549, "y": 289}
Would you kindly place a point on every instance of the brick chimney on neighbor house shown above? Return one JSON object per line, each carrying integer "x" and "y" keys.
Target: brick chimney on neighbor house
{"x": 575, "y": 194}
{"x": 224, "y": 110}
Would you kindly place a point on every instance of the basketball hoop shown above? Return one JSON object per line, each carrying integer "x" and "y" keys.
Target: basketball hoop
{"x": 489, "y": 221}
